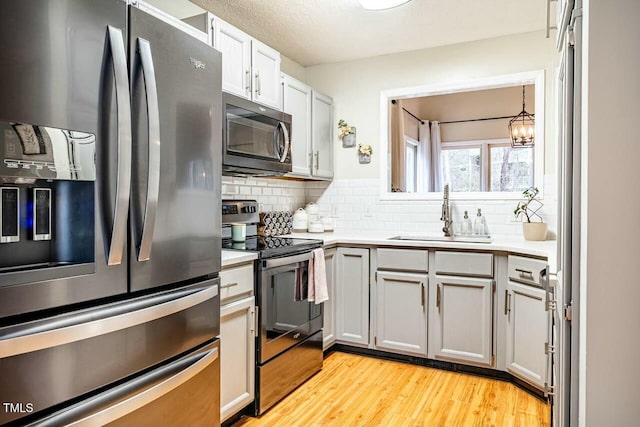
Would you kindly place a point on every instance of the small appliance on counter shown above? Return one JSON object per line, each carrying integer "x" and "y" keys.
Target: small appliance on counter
{"x": 289, "y": 326}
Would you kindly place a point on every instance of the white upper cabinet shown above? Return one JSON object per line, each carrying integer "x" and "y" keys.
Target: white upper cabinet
{"x": 266, "y": 74}
{"x": 322, "y": 135}
{"x": 235, "y": 46}
{"x": 250, "y": 69}
{"x": 296, "y": 98}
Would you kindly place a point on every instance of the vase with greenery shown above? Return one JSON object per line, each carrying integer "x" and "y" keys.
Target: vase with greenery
{"x": 364, "y": 153}
{"x": 534, "y": 228}
{"x": 347, "y": 134}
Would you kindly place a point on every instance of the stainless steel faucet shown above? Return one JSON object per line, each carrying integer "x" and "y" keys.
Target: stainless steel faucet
{"x": 446, "y": 213}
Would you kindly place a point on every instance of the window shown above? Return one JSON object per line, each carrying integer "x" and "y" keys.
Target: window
{"x": 491, "y": 165}
{"x": 411, "y": 164}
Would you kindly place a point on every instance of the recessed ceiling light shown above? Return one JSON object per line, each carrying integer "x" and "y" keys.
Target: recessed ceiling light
{"x": 381, "y": 4}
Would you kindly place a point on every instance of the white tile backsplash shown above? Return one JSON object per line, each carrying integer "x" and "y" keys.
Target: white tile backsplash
{"x": 351, "y": 199}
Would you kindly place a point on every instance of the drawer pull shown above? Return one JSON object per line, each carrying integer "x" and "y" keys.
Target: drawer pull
{"x": 524, "y": 273}
{"x": 507, "y": 303}
{"x": 229, "y": 285}
{"x": 438, "y": 297}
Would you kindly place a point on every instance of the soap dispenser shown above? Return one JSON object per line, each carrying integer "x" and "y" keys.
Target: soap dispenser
{"x": 480, "y": 224}
{"x": 466, "y": 227}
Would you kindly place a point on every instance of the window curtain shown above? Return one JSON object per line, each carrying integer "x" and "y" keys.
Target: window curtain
{"x": 398, "y": 178}
{"x": 424, "y": 157}
{"x": 436, "y": 161}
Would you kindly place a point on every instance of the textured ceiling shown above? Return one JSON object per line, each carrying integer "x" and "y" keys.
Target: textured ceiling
{"x": 314, "y": 32}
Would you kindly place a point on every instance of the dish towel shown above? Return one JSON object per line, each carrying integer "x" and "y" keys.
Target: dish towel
{"x": 318, "y": 292}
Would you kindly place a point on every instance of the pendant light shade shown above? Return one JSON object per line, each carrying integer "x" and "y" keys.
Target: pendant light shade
{"x": 522, "y": 128}
{"x": 381, "y": 4}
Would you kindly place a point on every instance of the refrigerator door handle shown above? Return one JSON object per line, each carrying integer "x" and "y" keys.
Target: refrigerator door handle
{"x": 116, "y": 403}
{"x": 153, "y": 182}
{"x": 123, "y": 180}
{"x": 102, "y": 320}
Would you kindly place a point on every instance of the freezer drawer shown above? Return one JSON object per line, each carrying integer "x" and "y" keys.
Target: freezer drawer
{"x": 48, "y": 362}
{"x": 185, "y": 392}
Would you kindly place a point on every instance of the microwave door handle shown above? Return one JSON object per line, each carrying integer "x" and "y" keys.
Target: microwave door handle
{"x": 153, "y": 181}
{"x": 123, "y": 177}
{"x": 287, "y": 142}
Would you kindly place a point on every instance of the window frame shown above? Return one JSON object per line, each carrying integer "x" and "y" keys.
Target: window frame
{"x": 416, "y": 147}
{"x": 485, "y": 158}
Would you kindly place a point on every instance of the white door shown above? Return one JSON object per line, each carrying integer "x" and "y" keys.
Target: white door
{"x": 352, "y": 295}
{"x": 235, "y": 46}
{"x": 296, "y": 100}
{"x": 329, "y": 313}
{"x": 401, "y": 313}
{"x": 527, "y": 325}
{"x": 462, "y": 322}
{"x": 322, "y": 135}
{"x": 265, "y": 62}
{"x": 237, "y": 356}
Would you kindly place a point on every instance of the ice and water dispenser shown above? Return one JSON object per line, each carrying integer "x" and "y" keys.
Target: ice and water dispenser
{"x": 47, "y": 180}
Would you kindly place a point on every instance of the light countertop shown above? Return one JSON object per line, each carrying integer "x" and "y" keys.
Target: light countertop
{"x": 231, "y": 258}
{"x": 510, "y": 244}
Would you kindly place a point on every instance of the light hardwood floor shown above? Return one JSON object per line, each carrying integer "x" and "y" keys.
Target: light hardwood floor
{"x": 354, "y": 390}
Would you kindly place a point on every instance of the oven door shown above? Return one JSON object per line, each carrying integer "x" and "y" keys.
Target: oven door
{"x": 256, "y": 138}
{"x": 286, "y": 315}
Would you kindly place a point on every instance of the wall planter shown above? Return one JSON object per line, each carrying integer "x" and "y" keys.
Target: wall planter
{"x": 364, "y": 154}
{"x": 347, "y": 134}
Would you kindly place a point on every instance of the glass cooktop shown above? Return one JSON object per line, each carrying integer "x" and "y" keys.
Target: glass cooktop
{"x": 270, "y": 247}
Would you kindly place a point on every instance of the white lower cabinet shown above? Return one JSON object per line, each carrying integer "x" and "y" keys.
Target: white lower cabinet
{"x": 329, "y": 311}
{"x": 352, "y": 295}
{"x": 462, "y": 327}
{"x": 401, "y": 312}
{"x": 527, "y": 326}
{"x": 237, "y": 356}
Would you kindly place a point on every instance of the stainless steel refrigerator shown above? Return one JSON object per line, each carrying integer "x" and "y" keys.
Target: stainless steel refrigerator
{"x": 109, "y": 306}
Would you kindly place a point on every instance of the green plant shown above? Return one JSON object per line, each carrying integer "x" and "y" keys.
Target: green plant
{"x": 344, "y": 128}
{"x": 525, "y": 208}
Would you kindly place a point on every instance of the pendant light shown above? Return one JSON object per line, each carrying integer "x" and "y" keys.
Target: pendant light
{"x": 381, "y": 4}
{"x": 522, "y": 128}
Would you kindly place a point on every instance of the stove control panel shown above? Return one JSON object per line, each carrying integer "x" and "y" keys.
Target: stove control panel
{"x": 240, "y": 211}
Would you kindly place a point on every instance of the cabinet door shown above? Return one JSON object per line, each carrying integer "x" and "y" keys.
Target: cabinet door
{"x": 401, "y": 313}
{"x": 265, "y": 62}
{"x": 237, "y": 356}
{"x": 296, "y": 100}
{"x": 329, "y": 319}
{"x": 462, "y": 321}
{"x": 235, "y": 46}
{"x": 352, "y": 295}
{"x": 527, "y": 325}
{"x": 322, "y": 135}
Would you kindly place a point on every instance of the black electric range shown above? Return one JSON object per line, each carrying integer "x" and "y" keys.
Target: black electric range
{"x": 273, "y": 247}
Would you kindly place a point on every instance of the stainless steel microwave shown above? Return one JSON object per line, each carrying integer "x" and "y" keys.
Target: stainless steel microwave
{"x": 256, "y": 139}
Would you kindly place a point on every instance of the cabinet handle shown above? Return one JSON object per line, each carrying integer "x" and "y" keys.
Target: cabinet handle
{"x": 438, "y": 297}
{"x": 252, "y": 329}
{"x": 310, "y": 162}
{"x": 422, "y": 294}
{"x": 525, "y": 273}
{"x": 229, "y": 285}
{"x": 247, "y": 80}
{"x": 256, "y": 313}
{"x": 507, "y": 303}
{"x": 258, "y": 88}
{"x": 317, "y": 160}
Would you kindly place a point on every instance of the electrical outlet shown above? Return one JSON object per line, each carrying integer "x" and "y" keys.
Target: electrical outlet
{"x": 334, "y": 211}
{"x": 367, "y": 211}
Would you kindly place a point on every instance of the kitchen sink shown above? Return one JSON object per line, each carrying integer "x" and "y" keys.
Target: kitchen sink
{"x": 427, "y": 238}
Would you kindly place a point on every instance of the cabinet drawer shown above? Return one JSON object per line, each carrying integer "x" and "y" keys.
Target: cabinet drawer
{"x": 464, "y": 263}
{"x": 403, "y": 259}
{"x": 525, "y": 270}
{"x": 237, "y": 281}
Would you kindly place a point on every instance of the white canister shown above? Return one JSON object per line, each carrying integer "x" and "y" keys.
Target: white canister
{"x": 327, "y": 222}
{"x": 300, "y": 220}
{"x": 316, "y": 226}
{"x": 238, "y": 232}
{"x": 312, "y": 209}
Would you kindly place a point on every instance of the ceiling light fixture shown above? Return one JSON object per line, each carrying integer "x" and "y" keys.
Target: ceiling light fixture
{"x": 522, "y": 128}
{"x": 381, "y": 4}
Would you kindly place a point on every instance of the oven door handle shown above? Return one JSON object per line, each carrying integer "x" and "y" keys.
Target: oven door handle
{"x": 279, "y": 262}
